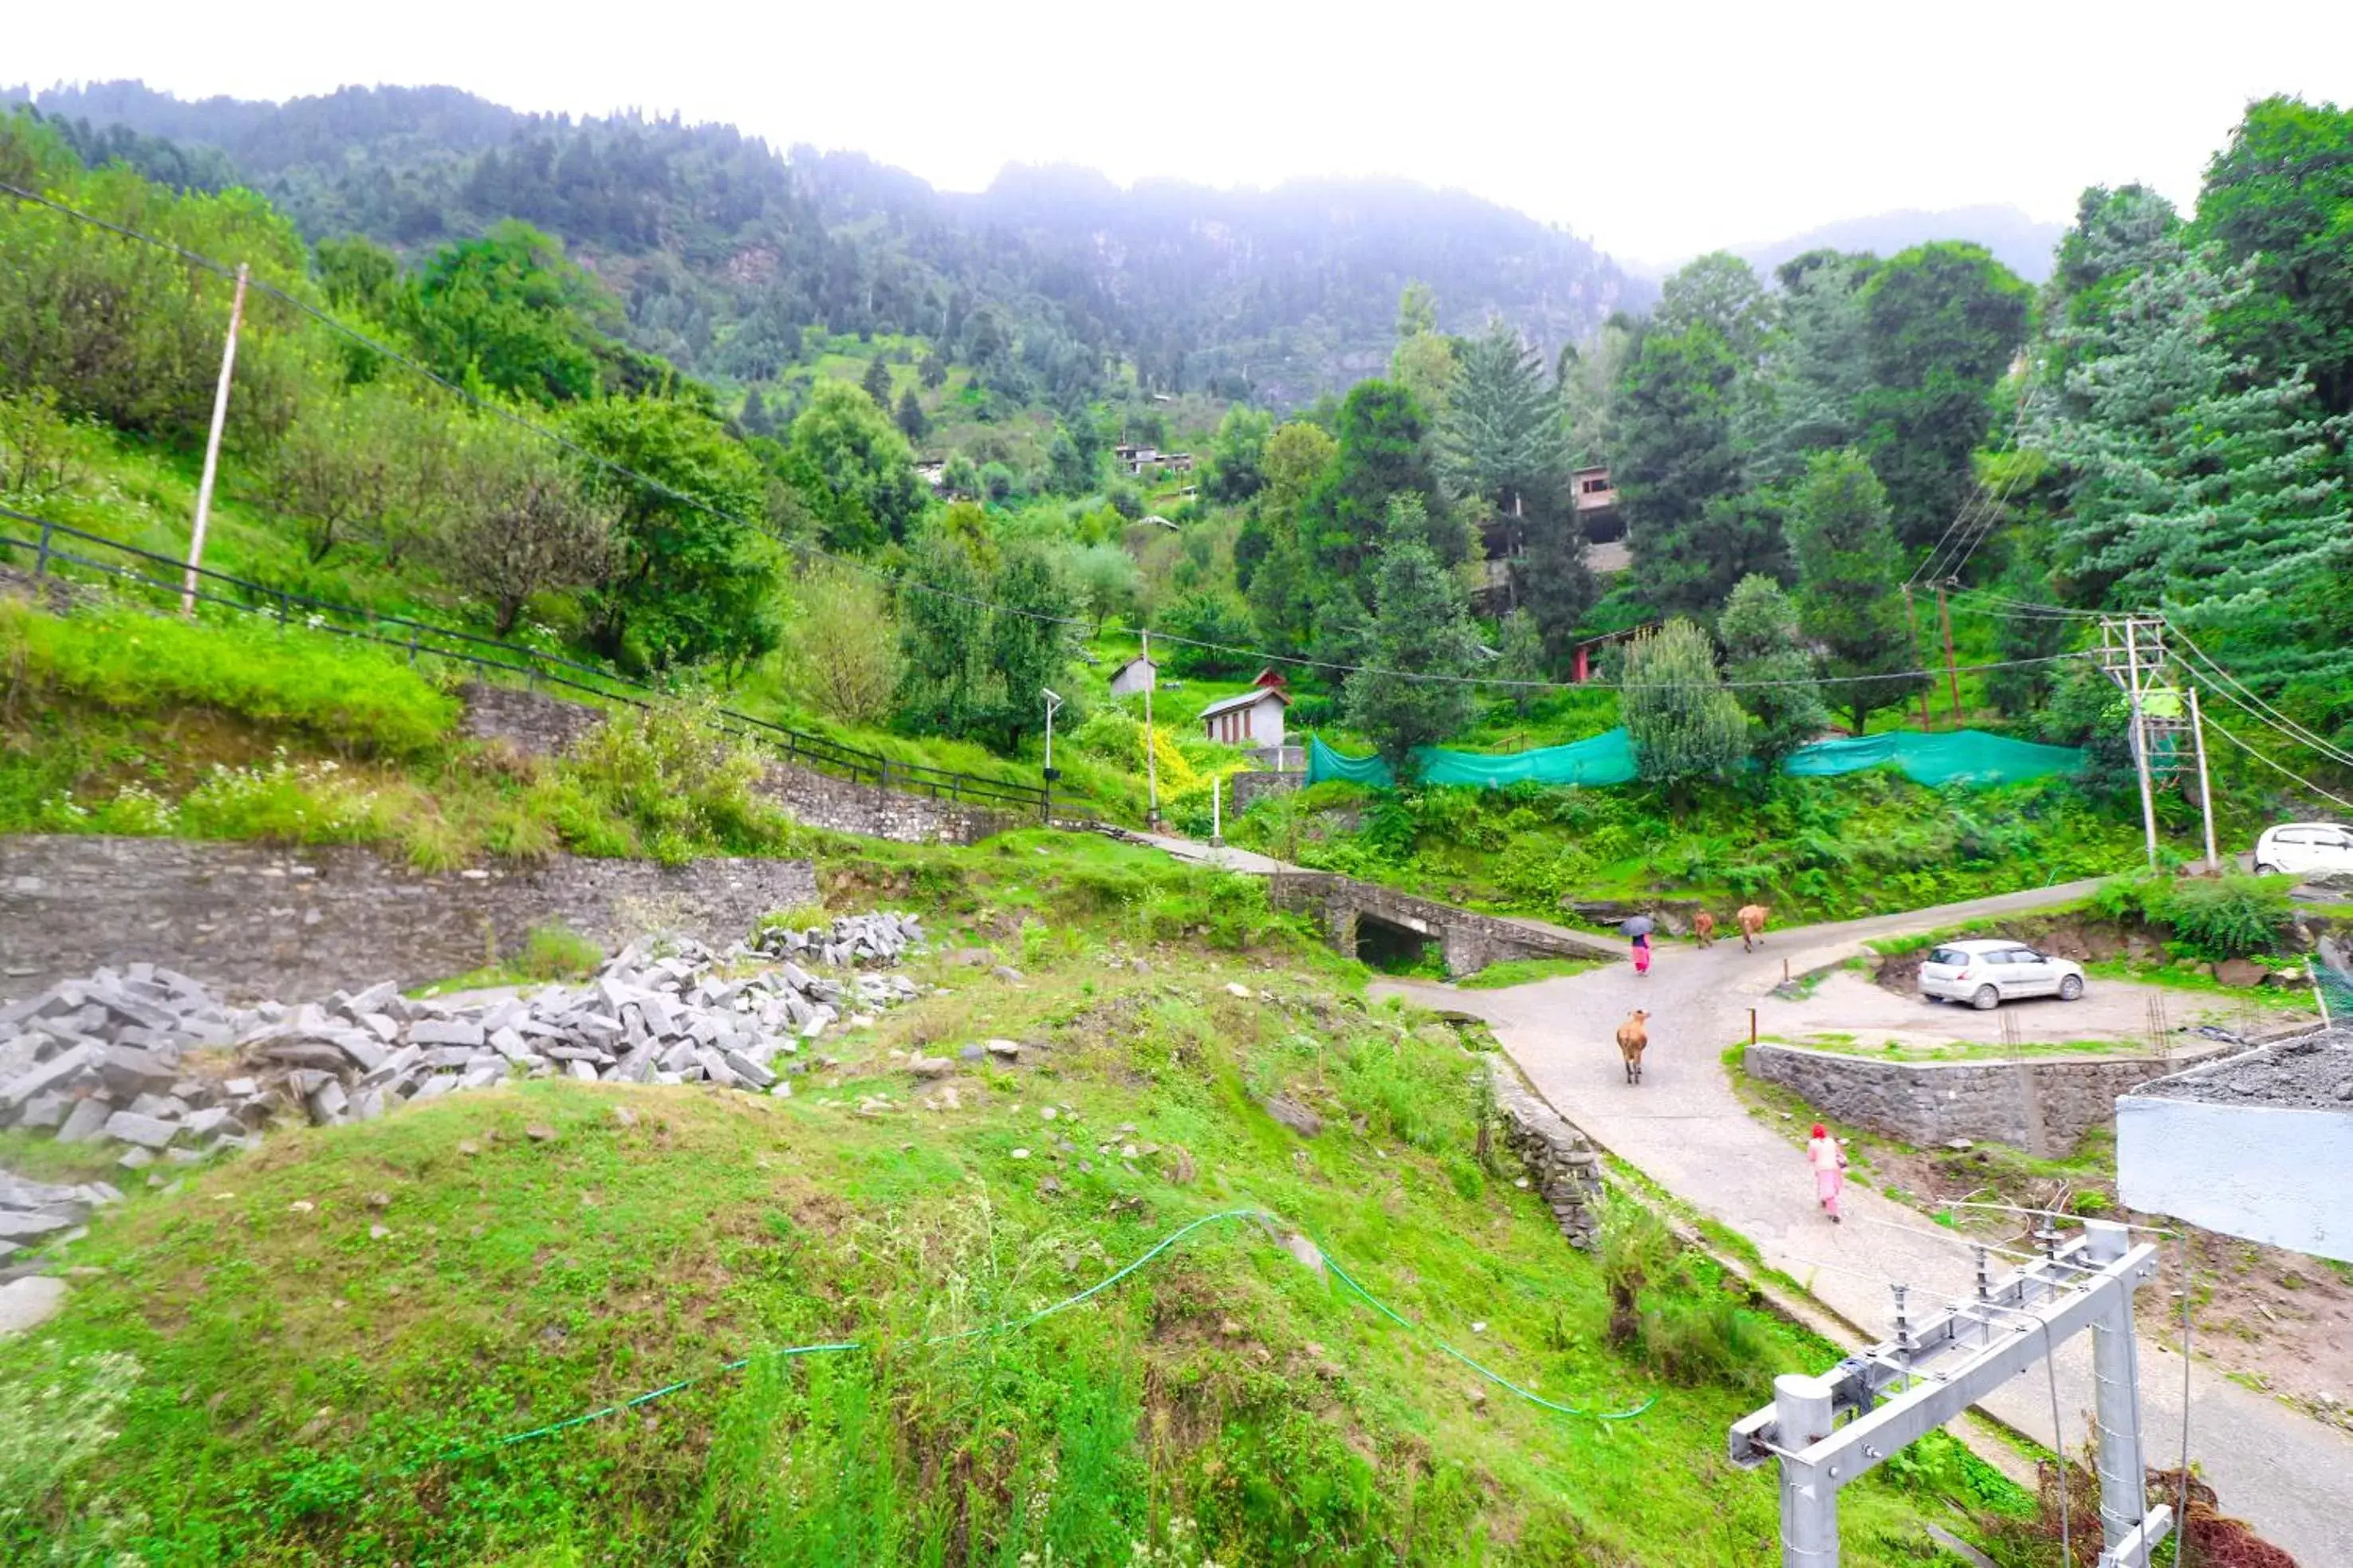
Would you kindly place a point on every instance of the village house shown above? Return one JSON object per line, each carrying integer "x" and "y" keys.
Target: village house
{"x": 1138, "y": 674}
{"x": 1252, "y": 719}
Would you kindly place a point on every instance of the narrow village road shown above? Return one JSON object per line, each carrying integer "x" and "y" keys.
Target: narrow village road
{"x": 1687, "y": 1129}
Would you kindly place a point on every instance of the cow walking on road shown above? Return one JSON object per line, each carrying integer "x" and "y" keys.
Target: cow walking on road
{"x": 1752, "y": 917}
{"x": 1632, "y": 1040}
{"x": 1704, "y": 928}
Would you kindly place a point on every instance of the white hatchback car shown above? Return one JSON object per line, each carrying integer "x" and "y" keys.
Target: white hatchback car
{"x": 2304, "y": 849}
{"x": 1988, "y": 972}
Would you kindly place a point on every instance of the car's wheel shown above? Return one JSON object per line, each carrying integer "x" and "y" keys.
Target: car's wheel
{"x": 1927, "y": 998}
{"x": 2263, "y": 869}
{"x": 1986, "y": 1000}
{"x": 2072, "y": 988}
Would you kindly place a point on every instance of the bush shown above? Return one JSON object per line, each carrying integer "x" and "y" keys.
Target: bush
{"x": 682, "y": 786}
{"x": 559, "y": 952}
{"x": 2226, "y": 917}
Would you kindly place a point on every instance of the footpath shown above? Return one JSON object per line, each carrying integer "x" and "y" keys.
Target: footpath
{"x": 1686, "y": 1129}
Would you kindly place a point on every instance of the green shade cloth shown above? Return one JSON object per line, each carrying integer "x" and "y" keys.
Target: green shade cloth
{"x": 1961, "y": 757}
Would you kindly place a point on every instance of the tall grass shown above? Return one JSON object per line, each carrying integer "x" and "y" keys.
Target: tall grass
{"x": 352, "y": 695}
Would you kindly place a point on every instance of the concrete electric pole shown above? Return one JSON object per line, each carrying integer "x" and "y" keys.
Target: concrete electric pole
{"x": 212, "y": 448}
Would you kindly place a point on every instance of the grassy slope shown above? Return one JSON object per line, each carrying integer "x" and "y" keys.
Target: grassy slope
{"x": 303, "y": 1381}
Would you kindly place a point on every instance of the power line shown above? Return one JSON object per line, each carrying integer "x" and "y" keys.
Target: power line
{"x": 2276, "y": 767}
{"x": 2279, "y": 719}
{"x": 904, "y": 580}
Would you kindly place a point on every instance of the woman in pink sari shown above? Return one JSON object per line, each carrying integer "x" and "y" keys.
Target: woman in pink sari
{"x": 1828, "y": 1161}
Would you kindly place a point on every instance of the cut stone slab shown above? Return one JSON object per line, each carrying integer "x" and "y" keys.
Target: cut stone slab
{"x": 29, "y": 1302}
{"x": 750, "y": 1071}
{"x": 147, "y": 1131}
{"x": 85, "y": 1121}
{"x": 446, "y": 1032}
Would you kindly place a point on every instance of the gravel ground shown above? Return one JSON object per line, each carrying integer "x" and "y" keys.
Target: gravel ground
{"x": 2314, "y": 1073}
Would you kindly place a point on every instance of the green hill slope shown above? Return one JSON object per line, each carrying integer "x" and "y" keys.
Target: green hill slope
{"x": 328, "y": 1338}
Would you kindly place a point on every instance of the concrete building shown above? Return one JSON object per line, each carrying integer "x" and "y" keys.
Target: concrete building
{"x": 1138, "y": 675}
{"x": 1252, "y": 719}
{"x": 2257, "y": 1145}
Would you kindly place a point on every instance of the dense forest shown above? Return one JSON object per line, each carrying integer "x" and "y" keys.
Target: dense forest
{"x": 725, "y": 253}
{"x": 1808, "y": 462}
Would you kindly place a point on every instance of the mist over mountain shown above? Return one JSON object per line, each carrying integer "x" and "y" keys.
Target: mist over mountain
{"x": 724, "y": 251}
{"x": 2017, "y": 241}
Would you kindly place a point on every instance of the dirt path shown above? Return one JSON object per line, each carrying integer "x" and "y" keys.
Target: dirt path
{"x": 1687, "y": 1130}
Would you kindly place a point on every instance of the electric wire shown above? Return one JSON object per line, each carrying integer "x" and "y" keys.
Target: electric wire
{"x": 1260, "y": 1217}
{"x": 2277, "y": 767}
{"x": 903, "y": 580}
{"x": 2279, "y": 719}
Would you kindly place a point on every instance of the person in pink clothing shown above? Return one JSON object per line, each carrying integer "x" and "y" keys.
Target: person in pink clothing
{"x": 1829, "y": 1161}
{"x": 1642, "y": 952}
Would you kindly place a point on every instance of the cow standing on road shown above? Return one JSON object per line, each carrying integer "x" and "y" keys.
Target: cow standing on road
{"x": 1632, "y": 1040}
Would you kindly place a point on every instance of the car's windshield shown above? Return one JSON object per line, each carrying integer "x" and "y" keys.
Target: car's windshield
{"x": 1953, "y": 956}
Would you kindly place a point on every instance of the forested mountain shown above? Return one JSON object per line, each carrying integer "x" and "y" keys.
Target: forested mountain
{"x": 2016, "y": 240}
{"x": 724, "y": 251}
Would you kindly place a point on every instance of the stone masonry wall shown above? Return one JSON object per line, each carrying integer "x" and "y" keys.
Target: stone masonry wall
{"x": 2044, "y": 1107}
{"x": 542, "y": 725}
{"x": 530, "y": 722}
{"x": 1469, "y": 940}
{"x": 1561, "y": 1165}
{"x": 1249, "y": 789}
{"x": 254, "y": 920}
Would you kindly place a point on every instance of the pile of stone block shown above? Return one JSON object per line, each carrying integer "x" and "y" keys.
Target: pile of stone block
{"x": 38, "y": 1212}
{"x": 103, "y": 1058}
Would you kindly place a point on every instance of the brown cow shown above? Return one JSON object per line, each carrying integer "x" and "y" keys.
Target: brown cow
{"x": 1704, "y": 928}
{"x": 1632, "y": 1040}
{"x": 1752, "y": 919}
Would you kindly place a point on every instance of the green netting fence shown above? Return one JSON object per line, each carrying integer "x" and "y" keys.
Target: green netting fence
{"x": 1959, "y": 756}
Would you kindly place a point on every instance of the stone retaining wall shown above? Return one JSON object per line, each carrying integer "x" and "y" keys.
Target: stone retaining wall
{"x": 1561, "y": 1165}
{"x": 253, "y": 920}
{"x": 543, "y": 725}
{"x": 1249, "y": 789}
{"x": 2044, "y": 1107}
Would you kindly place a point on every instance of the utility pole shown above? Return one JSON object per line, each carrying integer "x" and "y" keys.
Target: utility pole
{"x": 1911, "y": 624}
{"x": 1151, "y": 748}
{"x": 2205, "y": 789}
{"x": 1941, "y": 1362}
{"x": 1046, "y": 795}
{"x": 1216, "y": 812}
{"x": 212, "y": 449}
{"x": 1945, "y": 616}
{"x": 2140, "y": 738}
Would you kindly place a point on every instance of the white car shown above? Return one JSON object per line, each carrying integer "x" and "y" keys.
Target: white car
{"x": 1987, "y": 972}
{"x": 2304, "y": 849}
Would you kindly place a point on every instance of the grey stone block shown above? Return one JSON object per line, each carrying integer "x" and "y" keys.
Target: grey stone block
{"x": 136, "y": 1158}
{"x": 85, "y": 1121}
{"x": 43, "y": 1110}
{"x": 444, "y": 1032}
{"x": 148, "y": 1131}
{"x": 329, "y": 1104}
{"x": 748, "y": 1070}
{"x": 583, "y": 1071}
{"x": 55, "y": 1073}
{"x": 210, "y": 1119}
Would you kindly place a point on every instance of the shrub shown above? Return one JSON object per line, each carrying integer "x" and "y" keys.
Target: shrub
{"x": 2224, "y": 917}
{"x": 683, "y": 787}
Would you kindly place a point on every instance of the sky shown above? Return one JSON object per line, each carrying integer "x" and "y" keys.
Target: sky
{"x": 1657, "y": 129}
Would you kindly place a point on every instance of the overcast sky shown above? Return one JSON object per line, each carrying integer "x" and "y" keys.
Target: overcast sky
{"x": 1658, "y": 128}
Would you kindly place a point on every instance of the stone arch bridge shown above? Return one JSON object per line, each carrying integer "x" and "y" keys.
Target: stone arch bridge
{"x": 1352, "y": 913}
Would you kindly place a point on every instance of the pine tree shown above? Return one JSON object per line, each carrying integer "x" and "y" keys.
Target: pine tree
{"x": 878, "y": 381}
{"x": 1762, "y": 644}
{"x": 934, "y": 369}
{"x": 910, "y": 415}
{"x": 1551, "y": 580}
{"x": 1683, "y": 723}
{"x": 1421, "y": 626}
{"x": 755, "y": 419}
{"x": 2198, "y": 485}
{"x": 1680, "y": 474}
{"x": 1501, "y": 438}
{"x": 1848, "y": 568}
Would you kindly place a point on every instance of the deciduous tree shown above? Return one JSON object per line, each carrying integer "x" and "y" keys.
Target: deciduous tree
{"x": 1683, "y": 723}
{"x": 855, "y": 468}
{"x": 1770, "y": 669}
{"x": 521, "y": 525}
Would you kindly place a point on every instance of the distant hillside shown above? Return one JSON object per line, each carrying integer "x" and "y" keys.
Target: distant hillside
{"x": 2017, "y": 241}
{"x": 724, "y": 250}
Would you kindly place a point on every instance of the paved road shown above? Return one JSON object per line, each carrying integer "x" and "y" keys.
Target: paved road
{"x": 1684, "y": 1127}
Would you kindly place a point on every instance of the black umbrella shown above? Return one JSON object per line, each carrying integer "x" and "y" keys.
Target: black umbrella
{"x": 1639, "y": 925}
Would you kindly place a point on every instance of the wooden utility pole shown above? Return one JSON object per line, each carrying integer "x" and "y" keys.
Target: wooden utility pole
{"x": 212, "y": 449}
{"x": 1912, "y": 624}
{"x": 1952, "y": 675}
